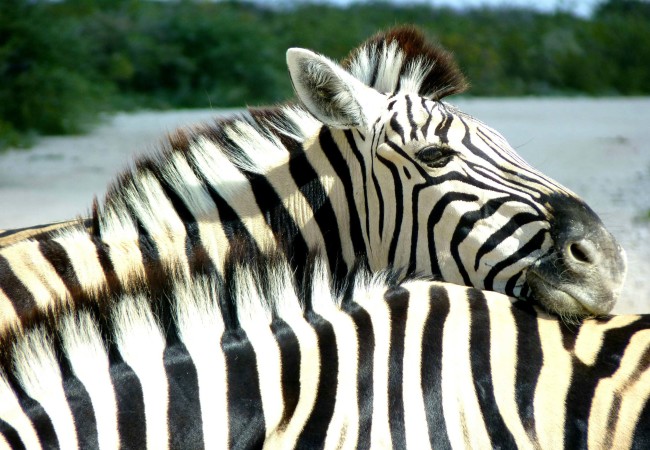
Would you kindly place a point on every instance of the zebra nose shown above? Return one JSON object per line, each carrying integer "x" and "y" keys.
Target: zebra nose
{"x": 585, "y": 269}
{"x": 581, "y": 253}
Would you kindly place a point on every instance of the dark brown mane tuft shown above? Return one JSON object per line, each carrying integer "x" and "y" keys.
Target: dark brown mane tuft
{"x": 440, "y": 75}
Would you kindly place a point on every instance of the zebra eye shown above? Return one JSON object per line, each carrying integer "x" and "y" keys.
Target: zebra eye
{"x": 435, "y": 155}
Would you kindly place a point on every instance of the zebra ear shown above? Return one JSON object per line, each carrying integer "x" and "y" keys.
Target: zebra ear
{"x": 330, "y": 93}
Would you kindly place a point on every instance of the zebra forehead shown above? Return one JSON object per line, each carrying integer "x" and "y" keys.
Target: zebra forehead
{"x": 401, "y": 60}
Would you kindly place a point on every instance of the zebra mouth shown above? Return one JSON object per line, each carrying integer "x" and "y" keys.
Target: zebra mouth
{"x": 561, "y": 299}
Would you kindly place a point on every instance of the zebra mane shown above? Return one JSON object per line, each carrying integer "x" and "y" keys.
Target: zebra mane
{"x": 254, "y": 142}
{"x": 256, "y": 289}
{"x": 402, "y": 60}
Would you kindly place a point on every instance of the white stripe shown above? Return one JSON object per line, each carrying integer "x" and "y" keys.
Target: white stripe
{"x": 552, "y": 384}
{"x": 38, "y": 373}
{"x": 255, "y": 321}
{"x": 232, "y": 185}
{"x": 503, "y": 361}
{"x": 141, "y": 343}
{"x": 12, "y": 413}
{"x": 119, "y": 233}
{"x": 3, "y": 443}
{"x": 465, "y": 423}
{"x": 310, "y": 361}
{"x": 190, "y": 189}
{"x": 159, "y": 218}
{"x": 85, "y": 262}
{"x": 343, "y": 429}
{"x": 85, "y": 349}
{"x": 35, "y": 272}
{"x": 627, "y": 386}
{"x": 8, "y": 316}
{"x": 200, "y": 328}
{"x": 415, "y": 418}
{"x": 371, "y": 299}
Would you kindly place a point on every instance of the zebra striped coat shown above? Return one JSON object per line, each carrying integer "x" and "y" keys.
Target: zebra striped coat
{"x": 374, "y": 163}
{"x": 255, "y": 359}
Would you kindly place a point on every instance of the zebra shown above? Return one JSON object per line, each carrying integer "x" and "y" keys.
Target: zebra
{"x": 43, "y": 231}
{"x": 371, "y": 162}
{"x": 253, "y": 358}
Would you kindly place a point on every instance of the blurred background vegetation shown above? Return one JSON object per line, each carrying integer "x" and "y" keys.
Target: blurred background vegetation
{"x": 64, "y": 63}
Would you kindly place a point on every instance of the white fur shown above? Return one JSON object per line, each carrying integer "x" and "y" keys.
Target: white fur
{"x": 12, "y": 413}
{"x": 200, "y": 327}
{"x": 39, "y": 375}
{"x": 85, "y": 349}
{"x": 415, "y": 418}
{"x": 84, "y": 259}
{"x": 459, "y": 399}
{"x": 158, "y": 216}
{"x": 141, "y": 343}
{"x": 233, "y": 186}
{"x": 366, "y": 294}
{"x": 35, "y": 272}
{"x": 255, "y": 319}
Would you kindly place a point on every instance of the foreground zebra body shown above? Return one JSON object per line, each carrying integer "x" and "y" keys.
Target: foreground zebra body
{"x": 259, "y": 359}
{"x": 374, "y": 164}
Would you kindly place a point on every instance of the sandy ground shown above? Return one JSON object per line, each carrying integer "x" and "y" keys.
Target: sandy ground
{"x": 598, "y": 148}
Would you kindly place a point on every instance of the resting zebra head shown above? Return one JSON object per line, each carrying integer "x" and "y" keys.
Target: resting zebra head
{"x": 374, "y": 164}
{"x": 441, "y": 193}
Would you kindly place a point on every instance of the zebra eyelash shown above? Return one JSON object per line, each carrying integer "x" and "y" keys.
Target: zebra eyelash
{"x": 435, "y": 156}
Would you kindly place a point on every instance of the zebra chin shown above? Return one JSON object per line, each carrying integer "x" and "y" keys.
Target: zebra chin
{"x": 576, "y": 292}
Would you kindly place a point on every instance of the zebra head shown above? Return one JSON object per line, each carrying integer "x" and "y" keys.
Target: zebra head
{"x": 442, "y": 194}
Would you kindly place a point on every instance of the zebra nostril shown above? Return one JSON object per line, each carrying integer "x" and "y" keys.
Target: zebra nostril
{"x": 579, "y": 253}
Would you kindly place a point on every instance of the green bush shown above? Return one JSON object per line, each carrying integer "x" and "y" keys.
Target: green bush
{"x": 63, "y": 63}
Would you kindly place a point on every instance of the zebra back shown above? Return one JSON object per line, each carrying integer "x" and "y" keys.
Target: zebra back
{"x": 255, "y": 358}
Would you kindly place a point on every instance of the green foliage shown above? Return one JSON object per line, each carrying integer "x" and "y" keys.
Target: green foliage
{"x": 63, "y": 63}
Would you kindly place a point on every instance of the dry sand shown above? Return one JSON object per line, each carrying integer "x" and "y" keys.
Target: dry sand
{"x": 599, "y": 148}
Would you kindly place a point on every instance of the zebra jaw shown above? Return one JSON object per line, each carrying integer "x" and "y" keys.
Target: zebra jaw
{"x": 559, "y": 292}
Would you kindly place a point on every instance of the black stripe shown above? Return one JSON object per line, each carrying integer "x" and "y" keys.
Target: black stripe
{"x": 514, "y": 223}
{"x": 343, "y": 172}
{"x": 355, "y": 224}
{"x": 642, "y": 432}
{"x": 245, "y": 413}
{"x": 397, "y": 127}
{"x": 399, "y": 207}
{"x": 232, "y": 225}
{"x": 57, "y": 255}
{"x": 464, "y": 228}
{"x": 409, "y": 115}
{"x": 467, "y": 142}
{"x": 380, "y": 201}
{"x": 365, "y": 370}
{"x": 432, "y": 357}
{"x": 130, "y": 402}
{"x": 185, "y": 424}
{"x": 37, "y": 415}
{"x": 581, "y": 393}
{"x": 480, "y": 348}
{"x": 11, "y": 436}
{"x": 290, "y": 362}
{"x": 398, "y": 301}
{"x": 442, "y": 129}
{"x": 435, "y": 217}
{"x": 83, "y": 414}
{"x": 529, "y": 363}
{"x": 21, "y": 299}
{"x": 312, "y": 189}
{"x": 534, "y": 244}
{"x": 285, "y": 230}
{"x": 314, "y": 432}
{"x": 425, "y": 128}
